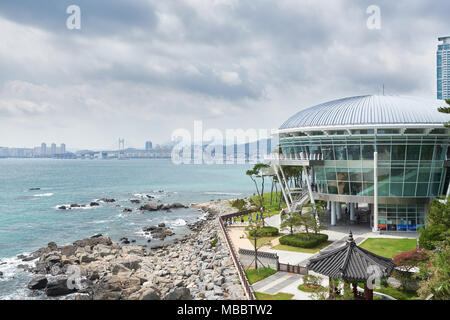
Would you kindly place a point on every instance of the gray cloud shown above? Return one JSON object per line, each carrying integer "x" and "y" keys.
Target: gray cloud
{"x": 140, "y": 69}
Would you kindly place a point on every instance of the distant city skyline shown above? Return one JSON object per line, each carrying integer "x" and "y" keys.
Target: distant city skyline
{"x": 143, "y": 69}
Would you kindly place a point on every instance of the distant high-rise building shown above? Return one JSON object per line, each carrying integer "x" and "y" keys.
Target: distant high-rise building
{"x": 62, "y": 148}
{"x": 43, "y": 149}
{"x": 53, "y": 149}
{"x": 443, "y": 68}
{"x": 148, "y": 146}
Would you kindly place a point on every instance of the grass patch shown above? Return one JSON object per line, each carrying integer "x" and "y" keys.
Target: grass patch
{"x": 398, "y": 293}
{"x": 259, "y": 241}
{"x": 311, "y": 288}
{"x": 278, "y": 296}
{"x": 389, "y": 247}
{"x": 254, "y": 276}
{"x": 270, "y": 209}
{"x": 303, "y": 250}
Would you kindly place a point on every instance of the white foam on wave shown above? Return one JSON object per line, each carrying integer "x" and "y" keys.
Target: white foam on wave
{"x": 43, "y": 195}
{"x": 177, "y": 223}
{"x": 68, "y": 208}
{"x": 9, "y": 268}
{"x": 223, "y": 193}
{"x": 144, "y": 234}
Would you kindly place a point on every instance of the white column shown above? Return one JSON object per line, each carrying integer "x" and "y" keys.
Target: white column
{"x": 375, "y": 192}
{"x": 305, "y": 172}
{"x": 287, "y": 185}
{"x": 352, "y": 211}
{"x": 282, "y": 188}
{"x": 333, "y": 213}
{"x": 328, "y": 205}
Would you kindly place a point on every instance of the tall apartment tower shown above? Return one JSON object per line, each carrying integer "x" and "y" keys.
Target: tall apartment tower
{"x": 443, "y": 68}
{"x": 43, "y": 149}
{"x": 53, "y": 149}
{"x": 62, "y": 148}
{"x": 148, "y": 146}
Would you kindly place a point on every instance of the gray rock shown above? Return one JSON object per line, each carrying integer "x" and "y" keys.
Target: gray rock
{"x": 150, "y": 294}
{"x": 179, "y": 294}
{"x": 38, "y": 283}
{"x": 58, "y": 287}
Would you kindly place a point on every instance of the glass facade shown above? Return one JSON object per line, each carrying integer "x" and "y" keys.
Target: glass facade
{"x": 408, "y": 166}
{"x": 401, "y": 217}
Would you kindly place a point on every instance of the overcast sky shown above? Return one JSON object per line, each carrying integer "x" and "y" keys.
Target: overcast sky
{"x": 141, "y": 69}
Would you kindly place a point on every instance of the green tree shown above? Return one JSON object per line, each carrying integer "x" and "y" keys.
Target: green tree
{"x": 436, "y": 275}
{"x": 316, "y": 211}
{"x": 291, "y": 220}
{"x": 438, "y": 225}
{"x": 445, "y": 110}
{"x": 258, "y": 173}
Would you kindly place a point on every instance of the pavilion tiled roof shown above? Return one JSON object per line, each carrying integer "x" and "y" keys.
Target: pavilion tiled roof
{"x": 350, "y": 262}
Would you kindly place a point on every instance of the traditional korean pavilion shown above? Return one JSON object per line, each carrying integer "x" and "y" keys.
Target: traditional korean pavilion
{"x": 351, "y": 264}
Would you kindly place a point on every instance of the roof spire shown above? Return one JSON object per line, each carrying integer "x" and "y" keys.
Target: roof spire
{"x": 350, "y": 237}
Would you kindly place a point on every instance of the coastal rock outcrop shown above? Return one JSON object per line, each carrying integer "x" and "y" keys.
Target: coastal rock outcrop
{"x": 188, "y": 268}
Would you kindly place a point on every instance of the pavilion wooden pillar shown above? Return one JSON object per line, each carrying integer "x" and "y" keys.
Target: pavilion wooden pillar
{"x": 368, "y": 293}
{"x": 331, "y": 289}
{"x": 355, "y": 290}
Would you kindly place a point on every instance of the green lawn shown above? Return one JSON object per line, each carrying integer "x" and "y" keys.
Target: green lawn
{"x": 254, "y": 276}
{"x": 271, "y": 209}
{"x": 260, "y": 241}
{"x": 304, "y": 250}
{"x": 389, "y": 247}
{"x": 398, "y": 294}
{"x": 278, "y": 296}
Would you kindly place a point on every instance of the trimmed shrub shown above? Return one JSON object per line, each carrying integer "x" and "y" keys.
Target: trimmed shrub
{"x": 301, "y": 240}
{"x": 265, "y": 232}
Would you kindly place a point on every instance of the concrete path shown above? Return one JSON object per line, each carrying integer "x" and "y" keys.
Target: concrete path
{"x": 285, "y": 282}
{"x": 293, "y": 258}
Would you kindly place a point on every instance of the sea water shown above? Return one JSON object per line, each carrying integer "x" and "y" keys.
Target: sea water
{"x": 29, "y": 219}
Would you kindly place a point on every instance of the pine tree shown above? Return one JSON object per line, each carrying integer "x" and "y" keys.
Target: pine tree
{"x": 445, "y": 110}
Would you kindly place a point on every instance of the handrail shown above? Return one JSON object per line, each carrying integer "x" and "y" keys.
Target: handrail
{"x": 294, "y": 156}
{"x": 245, "y": 284}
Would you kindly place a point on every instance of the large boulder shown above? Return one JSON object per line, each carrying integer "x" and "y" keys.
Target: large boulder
{"x": 150, "y": 294}
{"x": 176, "y": 205}
{"x": 151, "y": 206}
{"x": 179, "y": 294}
{"x": 38, "y": 283}
{"x": 58, "y": 287}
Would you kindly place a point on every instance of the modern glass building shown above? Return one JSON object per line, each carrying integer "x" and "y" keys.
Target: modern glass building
{"x": 388, "y": 151}
{"x": 443, "y": 68}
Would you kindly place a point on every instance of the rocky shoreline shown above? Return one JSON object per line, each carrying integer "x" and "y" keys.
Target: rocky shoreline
{"x": 198, "y": 266}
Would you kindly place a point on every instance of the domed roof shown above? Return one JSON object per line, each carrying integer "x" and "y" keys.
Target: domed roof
{"x": 370, "y": 109}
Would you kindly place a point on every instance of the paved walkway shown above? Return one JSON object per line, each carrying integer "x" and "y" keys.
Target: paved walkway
{"x": 239, "y": 239}
{"x": 285, "y": 282}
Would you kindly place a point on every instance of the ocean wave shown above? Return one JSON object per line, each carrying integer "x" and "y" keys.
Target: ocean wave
{"x": 68, "y": 208}
{"x": 9, "y": 269}
{"x": 177, "y": 223}
{"x": 224, "y": 193}
{"x": 43, "y": 195}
